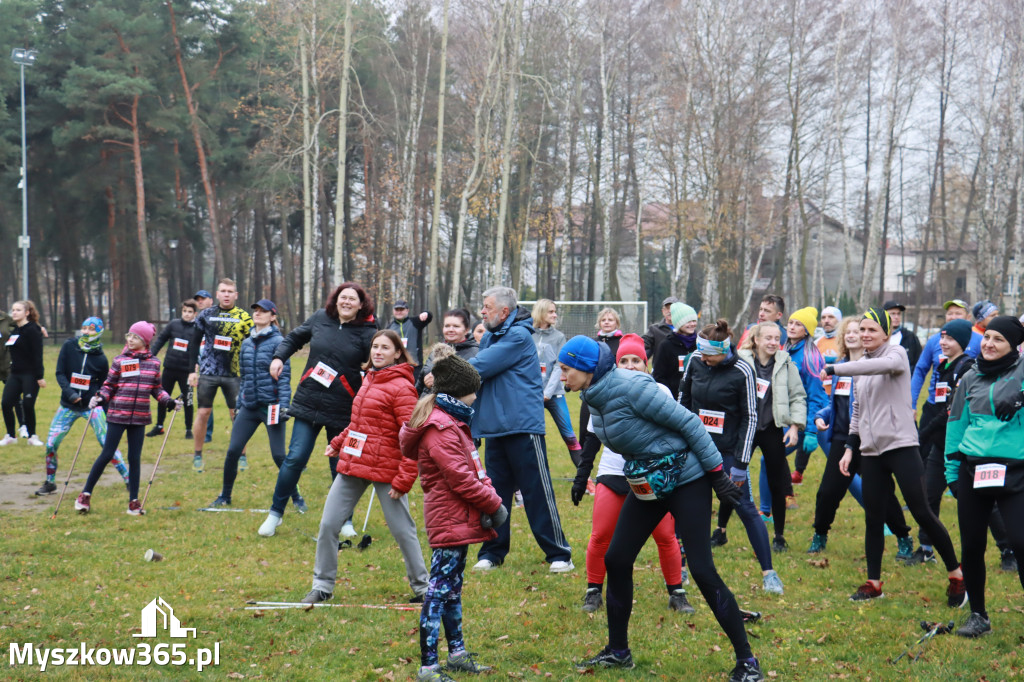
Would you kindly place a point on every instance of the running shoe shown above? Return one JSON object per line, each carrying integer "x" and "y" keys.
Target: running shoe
{"x": 243, "y": 463}
{"x": 23, "y": 432}
{"x": 608, "y": 659}
{"x": 431, "y": 674}
{"x": 677, "y": 601}
{"x": 976, "y": 626}
{"x": 221, "y": 501}
{"x": 484, "y": 565}
{"x": 47, "y": 489}
{"x": 465, "y": 662}
{"x": 718, "y": 538}
{"x": 906, "y": 548}
{"x": 157, "y": 430}
{"x": 8, "y": 440}
{"x": 956, "y": 593}
{"x": 867, "y": 591}
{"x": 796, "y": 477}
{"x": 135, "y": 508}
{"x": 767, "y": 517}
{"x": 746, "y": 671}
{"x": 82, "y": 503}
{"x": 269, "y": 527}
{"x": 921, "y": 556}
{"x": 315, "y": 596}
{"x": 772, "y": 583}
{"x": 561, "y": 566}
{"x": 592, "y": 600}
{"x": 1008, "y": 561}
{"x": 34, "y": 440}
{"x": 779, "y": 544}
{"x": 818, "y": 544}
{"x": 197, "y": 464}
{"x": 348, "y": 530}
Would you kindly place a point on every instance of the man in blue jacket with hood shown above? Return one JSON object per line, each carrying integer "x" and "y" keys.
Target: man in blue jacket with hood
{"x": 510, "y": 416}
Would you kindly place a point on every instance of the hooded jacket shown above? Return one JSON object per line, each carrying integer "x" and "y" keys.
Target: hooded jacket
{"x": 510, "y": 393}
{"x": 669, "y": 362}
{"x": 549, "y": 341}
{"x": 181, "y": 335}
{"x": 383, "y": 405}
{"x": 342, "y": 347}
{"x": 127, "y": 397}
{"x": 26, "y": 350}
{"x": 74, "y": 360}
{"x": 636, "y": 419}
{"x": 656, "y": 333}
{"x": 727, "y": 388}
{"x": 258, "y": 388}
{"x": 456, "y": 490}
{"x": 789, "y": 399}
{"x": 813, "y": 388}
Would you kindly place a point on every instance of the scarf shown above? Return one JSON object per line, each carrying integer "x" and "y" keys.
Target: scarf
{"x": 89, "y": 342}
{"x": 689, "y": 340}
{"x": 454, "y": 407}
{"x": 999, "y": 365}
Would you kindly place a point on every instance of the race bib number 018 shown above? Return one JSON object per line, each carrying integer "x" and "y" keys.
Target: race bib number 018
{"x": 990, "y": 476}
{"x": 713, "y": 420}
{"x": 354, "y": 444}
{"x": 130, "y": 368}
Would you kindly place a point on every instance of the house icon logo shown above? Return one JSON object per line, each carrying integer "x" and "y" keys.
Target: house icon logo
{"x": 159, "y": 611}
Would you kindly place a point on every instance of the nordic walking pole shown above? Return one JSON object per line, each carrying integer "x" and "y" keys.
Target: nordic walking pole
{"x": 163, "y": 445}
{"x": 68, "y": 479}
{"x": 368, "y": 508}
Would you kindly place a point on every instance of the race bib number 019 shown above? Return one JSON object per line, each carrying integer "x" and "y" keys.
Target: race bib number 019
{"x": 222, "y": 343}
{"x": 180, "y": 344}
{"x": 713, "y": 420}
{"x": 323, "y": 374}
{"x": 354, "y": 444}
{"x": 990, "y": 476}
{"x": 130, "y": 368}
{"x": 941, "y": 391}
{"x": 80, "y": 381}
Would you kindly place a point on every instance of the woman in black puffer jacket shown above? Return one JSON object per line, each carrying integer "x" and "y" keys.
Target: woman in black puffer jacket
{"x": 339, "y": 338}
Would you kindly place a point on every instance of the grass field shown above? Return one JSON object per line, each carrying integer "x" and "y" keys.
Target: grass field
{"x": 80, "y": 579}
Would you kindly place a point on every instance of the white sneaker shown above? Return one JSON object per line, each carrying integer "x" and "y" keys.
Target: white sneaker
{"x": 8, "y": 440}
{"x": 23, "y": 431}
{"x": 348, "y": 530}
{"x": 269, "y": 527}
{"x": 34, "y": 440}
{"x": 484, "y": 565}
{"x": 561, "y": 566}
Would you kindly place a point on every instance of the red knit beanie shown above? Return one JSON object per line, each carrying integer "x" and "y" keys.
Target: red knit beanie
{"x": 631, "y": 344}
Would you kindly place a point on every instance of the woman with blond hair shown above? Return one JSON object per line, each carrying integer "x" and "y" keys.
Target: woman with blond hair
{"x": 549, "y": 341}
{"x": 25, "y": 345}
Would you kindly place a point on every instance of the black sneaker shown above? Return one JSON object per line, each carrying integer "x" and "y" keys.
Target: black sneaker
{"x": 155, "y": 431}
{"x": 746, "y": 671}
{"x": 678, "y": 602}
{"x": 607, "y": 659}
{"x": 316, "y": 596}
{"x": 50, "y": 488}
{"x": 592, "y": 600}
{"x": 1007, "y": 561}
{"x": 920, "y": 556}
{"x": 976, "y": 626}
{"x": 718, "y": 538}
{"x": 779, "y": 544}
{"x": 221, "y": 501}
{"x": 189, "y": 435}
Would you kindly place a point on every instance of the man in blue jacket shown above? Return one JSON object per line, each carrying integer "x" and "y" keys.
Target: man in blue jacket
{"x": 510, "y": 415}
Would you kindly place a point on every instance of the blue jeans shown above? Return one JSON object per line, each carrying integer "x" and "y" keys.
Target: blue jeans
{"x": 247, "y": 420}
{"x": 301, "y": 445}
{"x": 520, "y": 462}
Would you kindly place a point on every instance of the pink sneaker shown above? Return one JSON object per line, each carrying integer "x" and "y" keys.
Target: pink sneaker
{"x": 82, "y": 503}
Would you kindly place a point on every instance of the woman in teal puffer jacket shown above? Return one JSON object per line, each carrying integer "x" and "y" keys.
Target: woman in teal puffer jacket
{"x": 671, "y": 466}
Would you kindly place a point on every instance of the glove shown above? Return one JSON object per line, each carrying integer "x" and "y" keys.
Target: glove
{"x": 725, "y": 489}
{"x": 810, "y": 442}
{"x": 1007, "y": 411}
{"x": 94, "y": 402}
{"x": 177, "y": 404}
{"x": 954, "y": 488}
{"x": 738, "y": 476}
{"x": 495, "y": 520}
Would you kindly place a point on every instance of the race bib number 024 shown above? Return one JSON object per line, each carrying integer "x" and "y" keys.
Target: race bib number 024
{"x": 713, "y": 420}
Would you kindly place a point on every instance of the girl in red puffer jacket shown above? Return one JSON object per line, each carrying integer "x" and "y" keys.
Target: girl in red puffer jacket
{"x": 460, "y": 505}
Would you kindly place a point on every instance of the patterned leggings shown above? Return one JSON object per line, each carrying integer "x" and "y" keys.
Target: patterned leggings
{"x": 443, "y": 603}
{"x": 59, "y": 428}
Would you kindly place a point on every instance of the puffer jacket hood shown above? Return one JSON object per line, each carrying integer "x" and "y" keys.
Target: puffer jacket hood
{"x": 383, "y": 405}
{"x": 605, "y": 362}
{"x": 456, "y": 489}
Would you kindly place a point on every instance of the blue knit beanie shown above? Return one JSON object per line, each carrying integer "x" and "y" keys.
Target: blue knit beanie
{"x": 580, "y": 352}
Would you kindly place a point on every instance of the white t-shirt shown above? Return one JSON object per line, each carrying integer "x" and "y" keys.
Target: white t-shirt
{"x": 612, "y": 463}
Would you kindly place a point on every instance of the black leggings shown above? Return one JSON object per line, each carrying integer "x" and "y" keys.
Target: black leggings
{"x": 21, "y": 388}
{"x": 973, "y": 511}
{"x": 169, "y": 379}
{"x": 690, "y": 504}
{"x": 136, "y": 437}
{"x": 776, "y": 468}
{"x": 833, "y": 489}
{"x": 877, "y": 473}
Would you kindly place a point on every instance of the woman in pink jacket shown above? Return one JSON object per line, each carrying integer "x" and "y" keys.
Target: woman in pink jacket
{"x": 460, "y": 505}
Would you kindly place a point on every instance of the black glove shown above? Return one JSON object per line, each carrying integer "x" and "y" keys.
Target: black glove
{"x": 495, "y": 520}
{"x": 579, "y": 489}
{"x": 1006, "y": 411}
{"x": 725, "y": 489}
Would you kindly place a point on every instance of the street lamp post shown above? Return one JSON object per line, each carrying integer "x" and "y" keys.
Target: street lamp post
{"x": 23, "y": 58}
{"x": 173, "y": 243}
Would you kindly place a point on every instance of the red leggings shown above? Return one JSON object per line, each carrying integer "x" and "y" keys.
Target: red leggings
{"x": 607, "y": 504}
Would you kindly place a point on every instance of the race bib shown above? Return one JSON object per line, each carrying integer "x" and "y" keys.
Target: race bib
{"x": 273, "y": 414}
{"x": 827, "y": 383}
{"x": 843, "y": 385}
{"x": 543, "y": 369}
{"x": 354, "y": 444}
{"x": 682, "y": 363}
{"x": 405, "y": 342}
{"x": 762, "y": 388}
{"x": 12, "y": 339}
{"x": 222, "y": 343}
{"x": 80, "y": 381}
{"x": 130, "y": 368}
{"x": 480, "y": 473}
{"x": 324, "y": 375}
{"x": 713, "y": 420}
{"x": 641, "y": 488}
{"x": 180, "y": 344}
{"x": 990, "y": 476}
{"x": 941, "y": 391}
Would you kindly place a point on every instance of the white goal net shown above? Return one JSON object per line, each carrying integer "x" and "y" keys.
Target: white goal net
{"x": 580, "y": 317}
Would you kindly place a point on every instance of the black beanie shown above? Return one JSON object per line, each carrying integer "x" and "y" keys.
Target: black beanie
{"x": 1010, "y": 327}
{"x": 455, "y": 376}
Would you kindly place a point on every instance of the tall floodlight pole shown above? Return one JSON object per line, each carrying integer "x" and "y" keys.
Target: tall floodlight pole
{"x": 23, "y": 58}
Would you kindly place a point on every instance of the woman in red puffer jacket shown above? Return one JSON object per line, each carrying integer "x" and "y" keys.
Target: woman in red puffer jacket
{"x": 368, "y": 454}
{"x": 460, "y": 505}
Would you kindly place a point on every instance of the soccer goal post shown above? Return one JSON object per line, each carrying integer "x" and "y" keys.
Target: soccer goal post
{"x": 580, "y": 317}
